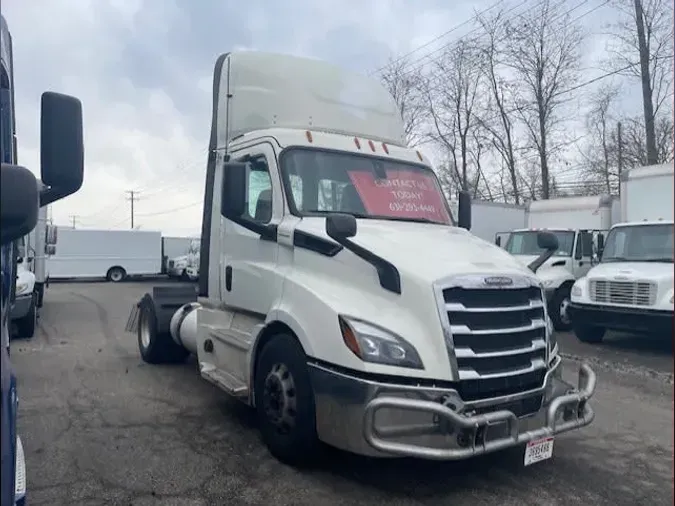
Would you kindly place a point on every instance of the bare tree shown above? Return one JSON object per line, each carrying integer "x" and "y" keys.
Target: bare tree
{"x": 452, "y": 96}
{"x": 643, "y": 48}
{"x": 600, "y": 154}
{"x": 634, "y": 143}
{"x": 544, "y": 53}
{"x": 405, "y": 84}
{"x": 496, "y": 117}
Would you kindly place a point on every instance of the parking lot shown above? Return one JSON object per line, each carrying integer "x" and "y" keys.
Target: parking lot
{"x": 101, "y": 427}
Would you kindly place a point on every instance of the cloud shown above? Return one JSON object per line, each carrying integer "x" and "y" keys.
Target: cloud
{"x": 142, "y": 69}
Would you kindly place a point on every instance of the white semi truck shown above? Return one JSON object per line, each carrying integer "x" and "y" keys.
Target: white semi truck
{"x": 580, "y": 224}
{"x": 185, "y": 266}
{"x": 338, "y": 297}
{"x": 24, "y": 311}
{"x": 490, "y": 219}
{"x": 632, "y": 287}
{"x": 40, "y": 244}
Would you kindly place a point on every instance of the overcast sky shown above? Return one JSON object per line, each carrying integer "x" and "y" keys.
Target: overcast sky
{"x": 142, "y": 69}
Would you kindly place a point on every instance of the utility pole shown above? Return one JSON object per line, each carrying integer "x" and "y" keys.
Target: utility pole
{"x": 74, "y": 218}
{"x": 133, "y": 197}
{"x": 647, "y": 91}
{"x": 619, "y": 141}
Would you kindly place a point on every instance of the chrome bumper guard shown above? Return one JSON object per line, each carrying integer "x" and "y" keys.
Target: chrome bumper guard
{"x": 573, "y": 407}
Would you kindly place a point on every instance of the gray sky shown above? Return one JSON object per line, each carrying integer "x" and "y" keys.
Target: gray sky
{"x": 143, "y": 72}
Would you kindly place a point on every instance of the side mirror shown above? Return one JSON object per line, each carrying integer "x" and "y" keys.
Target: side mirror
{"x": 340, "y": 226}
{"x": 61, "y": 146}
{"x": 498, "y": 240}
{"x": 601, "y": 245}
{"x": 18, "y": 202}
{"x": 50, "y": 249}
{"x": 51, "y": 234}
{"x": 549, "y": 243}
{"x": 19, "y": 260}
{"x": 464, "y": 210}
{"x": 233, "y": 195}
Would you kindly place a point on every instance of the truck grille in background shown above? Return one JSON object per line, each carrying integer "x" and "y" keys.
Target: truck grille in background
{"x": 633, "y": 293}
{"x": 499, "y": 338}
{"x": 170, "y": 264}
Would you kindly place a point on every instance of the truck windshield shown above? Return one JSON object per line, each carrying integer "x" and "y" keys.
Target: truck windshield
{"x": 323, "y": 182}
{"x": 639, "y": 243}
{"x": 525, "y": 243}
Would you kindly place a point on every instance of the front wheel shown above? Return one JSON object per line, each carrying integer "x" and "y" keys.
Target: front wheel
{"x": 26, "y": 326}
{"x": 559, "y": 309}
{"x": 116, "y": 274}
{"x": 285, "y": 402}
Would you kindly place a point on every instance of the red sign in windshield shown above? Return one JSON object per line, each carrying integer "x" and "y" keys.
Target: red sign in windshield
{"x": 404, "y": 193}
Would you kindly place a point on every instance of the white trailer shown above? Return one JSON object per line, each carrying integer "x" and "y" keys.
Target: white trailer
{"x": 336, "y": 294}
{"x": 580, "y": 224}
{"x": 490, "y": 219}
{"x": 632, "y": 287}
{"x": 113, "y": 254}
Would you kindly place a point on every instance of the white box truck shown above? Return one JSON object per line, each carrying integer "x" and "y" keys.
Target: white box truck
{"x": 579, "y": 223}
{"x": 338, "y": 296}
{"x": 490, "y": 219}
{"x": 632, "y": 288}
{"x": 112, "y": 254}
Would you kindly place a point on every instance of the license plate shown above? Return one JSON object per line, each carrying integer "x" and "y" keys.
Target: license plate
{"x": 538, "y": 450}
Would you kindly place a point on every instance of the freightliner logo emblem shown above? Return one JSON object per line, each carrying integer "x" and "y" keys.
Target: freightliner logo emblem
{"x": 497, "y": 281}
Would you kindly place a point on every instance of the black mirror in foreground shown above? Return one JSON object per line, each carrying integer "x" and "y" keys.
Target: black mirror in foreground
{"x": 19, "y": 202}
{"x": 464, "y": 210}
{"x": 61, "y": 146}
{"x": 548, "y": 242}
{"x": 340, "y": 226}
{"x": 233, "y": 196}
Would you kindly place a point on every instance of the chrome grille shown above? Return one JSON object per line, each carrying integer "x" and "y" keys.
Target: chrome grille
{"x": 632, "y": 293}
{"x": 498, "y": 338}
{"x": 170, "y": 264}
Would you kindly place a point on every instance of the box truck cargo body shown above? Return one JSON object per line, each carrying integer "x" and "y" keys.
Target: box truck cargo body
{"x": 632, "y": 287}
{"x": 489, "y": 219}
{"x": 112, "y": 254}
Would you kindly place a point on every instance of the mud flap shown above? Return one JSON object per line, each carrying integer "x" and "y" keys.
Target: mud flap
{"x": 132, "y": 321}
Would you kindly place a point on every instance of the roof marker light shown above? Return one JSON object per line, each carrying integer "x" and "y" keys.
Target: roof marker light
{"x": 419, "y": 155}
{"x": 308, "y": 134}
{"x": 372, "y": 145}
{"x": 385, "y": 147}
{"x": 357, "y": 143}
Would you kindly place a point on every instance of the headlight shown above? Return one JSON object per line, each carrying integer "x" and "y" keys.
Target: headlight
{"x": 374, "y": 344}
{"x": 22, "y": 288}
{"x": 576, "y": 290}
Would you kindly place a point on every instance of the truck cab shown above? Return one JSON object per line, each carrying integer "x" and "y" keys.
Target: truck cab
{"x": 631, "y": 289}
{"x": 24, "y": 312}
{"x": 337, "y": 294}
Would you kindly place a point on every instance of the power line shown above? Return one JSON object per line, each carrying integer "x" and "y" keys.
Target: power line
{"x": 173, "y": 210}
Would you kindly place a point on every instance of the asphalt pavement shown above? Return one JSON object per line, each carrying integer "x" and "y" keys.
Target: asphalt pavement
{"x": 99, "y": 426}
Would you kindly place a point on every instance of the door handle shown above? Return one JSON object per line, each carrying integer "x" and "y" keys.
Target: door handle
{"x": 228, "y": 278}
{"x": 581, "y": 263}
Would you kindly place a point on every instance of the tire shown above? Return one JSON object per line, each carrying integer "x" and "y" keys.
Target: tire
{"x": 40, "y": 295}
{"x": 589, "y": 334}
{"x": 282, "y": 375}
{"x": 116, "y": 274}
{"x": 558, "y": 308}
{"x": 156, "y": 347}
{"x": 26, "y": 326}
{"x": 184, "y": 276}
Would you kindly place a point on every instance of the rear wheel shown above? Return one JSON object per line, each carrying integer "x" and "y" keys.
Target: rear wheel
{"x": 156, "y": 347}
{"x": 285, "y": 402}
{"x": 589, "y": 333}
{"x": 116, "y": 274}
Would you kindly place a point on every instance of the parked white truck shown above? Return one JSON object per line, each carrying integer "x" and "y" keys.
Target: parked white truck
{"x": 580, "y": 224}
{"x": 40, "y": 244}
{"x": 173, "y": 248}
{"x": 185, "y": 266}
{"x": 632, "y": 287}
{"x": 24, "y": 312}
{"x": 339, "y": 299}
{"x": 113, "y": 254}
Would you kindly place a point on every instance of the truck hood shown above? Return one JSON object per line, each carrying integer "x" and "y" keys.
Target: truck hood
{"x": 427, "y": 251}
{"x": 629, "y": 271}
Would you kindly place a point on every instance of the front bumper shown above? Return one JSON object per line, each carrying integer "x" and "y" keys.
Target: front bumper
{"x": 387, "y": 420}
{"x": 175, "y": 272}
{"x": 21, "y": 306}
{"x": 622, "y": 318}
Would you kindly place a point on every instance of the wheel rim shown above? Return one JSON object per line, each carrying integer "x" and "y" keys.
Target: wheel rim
{"x": 116, "y": 275}
{"x": 279, "y": 399}
{"x": 564, "y": 305}
{"x": 144, "y": 326}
